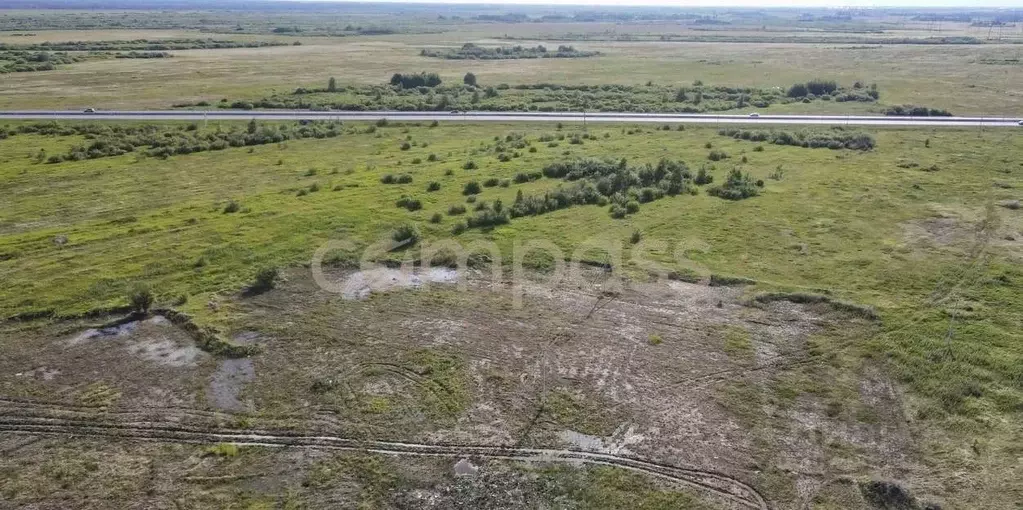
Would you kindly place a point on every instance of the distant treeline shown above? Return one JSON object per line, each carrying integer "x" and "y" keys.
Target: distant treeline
{"x": 106, "y": 140}
{"x": 426, "y": 92}
{"x": 140, "y": 45}
{"x": 28, "y": 61}
{"x": 756, "y": 39}
{"x": 47, "y": 56}
{"x": 835, "y": 138}
{"x": 916, "y": 111}
{"x": 470, "y": 51}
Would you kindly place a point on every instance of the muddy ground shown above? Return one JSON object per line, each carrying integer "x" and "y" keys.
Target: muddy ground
{"x": 726, "y": 404}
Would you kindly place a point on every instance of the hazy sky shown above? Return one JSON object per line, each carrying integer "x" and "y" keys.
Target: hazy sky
{"x": 751, "y": 3}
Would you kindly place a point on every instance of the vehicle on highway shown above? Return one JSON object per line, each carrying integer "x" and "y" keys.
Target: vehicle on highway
{"x": 1020, "y": 123}
{"x": 754, "y": 115}
{"x": 89, "y": 110}
{"x": 455, "y": 112}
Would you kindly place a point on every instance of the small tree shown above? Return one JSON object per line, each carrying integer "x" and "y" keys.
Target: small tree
{"x": 141, "y": 298}
{"x": 266, "y": 279}
{"x": 252, "y": 126}
{"x": 332, "y": 85}
{"x": 469, "y": 79}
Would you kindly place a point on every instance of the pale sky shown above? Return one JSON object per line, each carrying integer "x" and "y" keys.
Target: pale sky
{"x": 1011, "y": 4}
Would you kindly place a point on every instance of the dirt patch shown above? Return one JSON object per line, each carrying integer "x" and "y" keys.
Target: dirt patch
{"x": 939, "y": 231}
{"x": 228, "y": 382}
{"x": 361, "y": 284}
{"x": 154, "y": 339}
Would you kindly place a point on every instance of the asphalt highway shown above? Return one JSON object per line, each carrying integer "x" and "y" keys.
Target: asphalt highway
{"x": 218, "y": 114}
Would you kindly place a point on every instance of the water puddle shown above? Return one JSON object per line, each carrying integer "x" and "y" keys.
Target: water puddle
{"x": 120, "y": 330}
{"x": 165, "y": 351}
{"x": 616, "y": 444}
{"x": 361, "y": 284}
{"x": 465, "y": 468}
{"x": 228, "y": 382}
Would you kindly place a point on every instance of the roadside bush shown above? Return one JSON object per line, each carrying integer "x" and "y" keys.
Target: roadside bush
{"x": 916, "y": 111}
{"x": 835, "y": 138}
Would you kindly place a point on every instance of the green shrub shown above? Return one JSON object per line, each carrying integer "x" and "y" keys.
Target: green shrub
{"x": 469, "y": 165}
{"x": 490, "y": 182}
{"x": 406, "y": 234}
{"x": 232, "y": 207}
{"x": 409, "y": 203}
{"x": 702, "y": 177}
{"x": 737, "y": 186}
{"x": 436, "y": 218}
{"x": 433, "y": 186}
{"x": 141, "y": 298}
{"x": 471, "y": 188}
{"x": 717, "y": 155}
{"x": 266, "y": 279}
{"x": 455, "y": 210}
{"x": 636, "y": 236}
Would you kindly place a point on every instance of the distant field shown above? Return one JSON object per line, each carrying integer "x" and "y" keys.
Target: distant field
{"x": 951, "y": 77}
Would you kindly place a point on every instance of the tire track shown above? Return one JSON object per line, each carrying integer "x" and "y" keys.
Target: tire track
{"x": 709, "y": 482}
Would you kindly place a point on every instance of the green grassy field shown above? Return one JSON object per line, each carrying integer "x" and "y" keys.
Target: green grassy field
{"x": 911, "y": 228}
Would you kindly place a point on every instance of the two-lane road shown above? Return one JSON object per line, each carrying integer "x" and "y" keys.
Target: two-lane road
{"x": 833, "y": 120}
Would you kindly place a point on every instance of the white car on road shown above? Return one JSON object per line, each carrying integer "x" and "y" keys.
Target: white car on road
{"x": 754, "y": 115}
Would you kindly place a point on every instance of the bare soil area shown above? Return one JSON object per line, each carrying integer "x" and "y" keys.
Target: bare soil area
{"x": 689, "y": 387}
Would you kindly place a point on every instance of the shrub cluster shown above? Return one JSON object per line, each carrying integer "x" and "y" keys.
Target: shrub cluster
{"x": 470, "y": 51}
{"x": 737, "y": 186}
{"x": 418, "y": 93}
{"x": 916, "y": 111}
{"x": 606, "y": 182}
{"x": 835, "y": 138}
{"x": 414, "y": 80}
{"x": 106, "y": 140}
